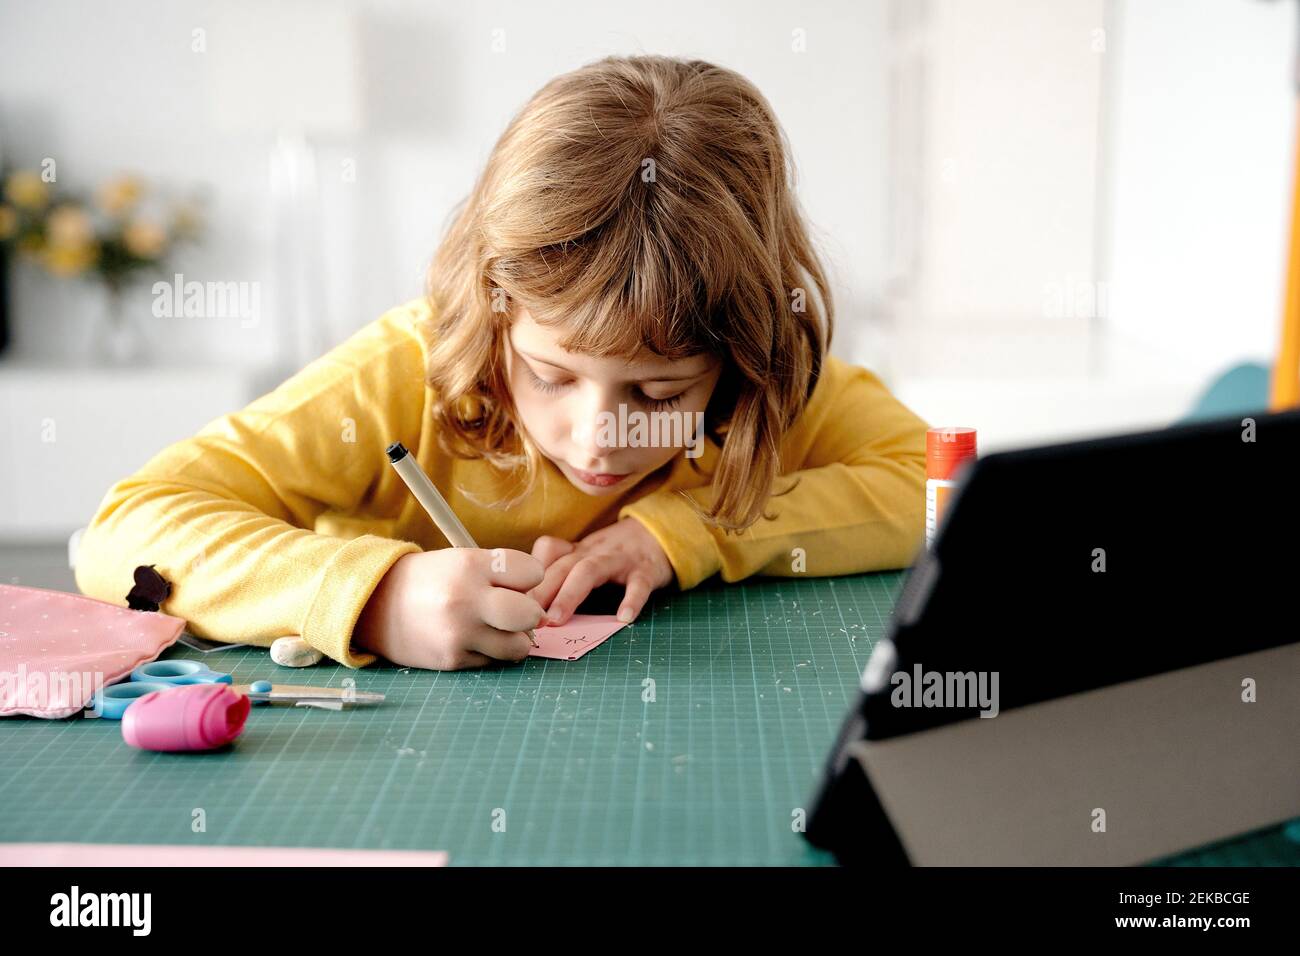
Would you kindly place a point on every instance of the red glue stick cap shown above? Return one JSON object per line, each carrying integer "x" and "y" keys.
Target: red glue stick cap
{"x": 190, "y": 717}
{"x": 946, "y": 449}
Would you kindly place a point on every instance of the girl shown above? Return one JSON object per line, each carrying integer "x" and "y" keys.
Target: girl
{"x": 632, "y": 264}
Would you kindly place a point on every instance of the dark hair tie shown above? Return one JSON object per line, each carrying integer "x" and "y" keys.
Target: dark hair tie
{"x": 150, "y": 590}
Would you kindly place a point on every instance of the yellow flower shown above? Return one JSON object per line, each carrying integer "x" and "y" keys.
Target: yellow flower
{"x": 8, "y": 222}
{"x": 144, "y": 239}
{"x": 120, "y": 194}
{"x": 27, "y": 190}
{"x": 187, "y": 222}
{"x": 69, "y": 226}
{"x": 71, "y": 260}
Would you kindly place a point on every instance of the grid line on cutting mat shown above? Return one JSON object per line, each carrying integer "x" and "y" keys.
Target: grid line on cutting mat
{"x": 547, "y": 762}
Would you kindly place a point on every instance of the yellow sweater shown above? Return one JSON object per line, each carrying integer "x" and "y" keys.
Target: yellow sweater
{"x": 283, "y": 517}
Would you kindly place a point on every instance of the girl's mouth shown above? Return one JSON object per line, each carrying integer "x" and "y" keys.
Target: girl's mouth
{"x": 600, "y": 479}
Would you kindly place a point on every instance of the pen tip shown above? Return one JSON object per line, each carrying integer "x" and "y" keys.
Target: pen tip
{"x": 396, "y": 452}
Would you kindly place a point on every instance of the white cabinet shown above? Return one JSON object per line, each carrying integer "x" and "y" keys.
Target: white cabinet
{"x": 994, "y": 138}
{"x": 997, "y": 310}
{"x": 68, "y": 434}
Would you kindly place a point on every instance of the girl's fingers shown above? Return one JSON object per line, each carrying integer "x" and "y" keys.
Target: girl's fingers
{"x": 586, "y": 575}
{"x": 634, "y": 598}
{"x": 501, "y": 645}
{"x": 545, "y": 592}
{"x": 512, "y": 569}
{"x": 471, "y": 659}
{"x": 548, "y": 547}
{"x": 508, "y": 611}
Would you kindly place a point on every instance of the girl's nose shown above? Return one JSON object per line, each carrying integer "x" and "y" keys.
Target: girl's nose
{"x": 594, "y": 429}
{"x": 588, "y": 435}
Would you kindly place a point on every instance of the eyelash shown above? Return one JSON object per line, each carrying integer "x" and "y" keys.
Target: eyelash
{"x": 550, "y": 388}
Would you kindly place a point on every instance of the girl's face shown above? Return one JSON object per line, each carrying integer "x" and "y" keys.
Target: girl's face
{"x": 570, "y": 406}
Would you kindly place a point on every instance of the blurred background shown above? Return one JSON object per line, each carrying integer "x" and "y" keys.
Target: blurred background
{"x": 1043, "y": 220}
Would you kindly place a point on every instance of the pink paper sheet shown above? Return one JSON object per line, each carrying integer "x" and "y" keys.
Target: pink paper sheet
{"x": 144, "y": 854}
{"x": 575, "y": 637}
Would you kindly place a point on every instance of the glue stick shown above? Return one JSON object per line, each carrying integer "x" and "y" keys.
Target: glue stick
{"x": 945, "y": 450}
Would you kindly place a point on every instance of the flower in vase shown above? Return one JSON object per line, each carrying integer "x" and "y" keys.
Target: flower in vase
{"x": 68, "y": 226}
{"x": 68, "y": 261}
{"x": 144, "y": 239}
{"x": 70, "y": 245}
{"x": 26, "y": 189}
{"x": 187, "y": 220}
{"x": 120, "y": 194}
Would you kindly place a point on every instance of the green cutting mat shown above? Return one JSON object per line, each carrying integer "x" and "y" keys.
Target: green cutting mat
{"x": 750, "y": 684}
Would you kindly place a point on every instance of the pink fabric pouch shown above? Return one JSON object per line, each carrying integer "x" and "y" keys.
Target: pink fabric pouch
{"x": 57, "y": 648}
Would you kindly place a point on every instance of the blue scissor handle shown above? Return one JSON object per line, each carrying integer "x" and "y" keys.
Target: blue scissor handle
{"x": 111, "y": 702}
{"x": 178, "y": 672}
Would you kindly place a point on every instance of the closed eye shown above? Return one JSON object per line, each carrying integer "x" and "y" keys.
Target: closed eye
{"x": 657, "y": 404}
{"x": 551, "y": 388}
{"x": 542, "y": 385}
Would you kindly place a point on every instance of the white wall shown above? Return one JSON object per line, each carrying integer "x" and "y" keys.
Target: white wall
{"x": 1010, "y": 157}
{"x": 1193, "y": 225}
{"x": 104, "y": 87}
{"x": 1132, "y": 157}
{"x": 1202, "y": 169}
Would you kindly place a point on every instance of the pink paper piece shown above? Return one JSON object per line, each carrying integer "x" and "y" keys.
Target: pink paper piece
{"x": 57, "y": 648}
{"x": 145, "y": 854}
{"x": 579, "y": 634}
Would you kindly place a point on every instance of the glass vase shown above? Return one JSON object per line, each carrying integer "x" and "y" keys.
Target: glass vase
{"x": 117, "y": 338}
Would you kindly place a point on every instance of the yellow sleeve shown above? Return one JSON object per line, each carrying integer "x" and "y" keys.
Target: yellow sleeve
{"x": 859, "y": 456}
{"x": 225, "y": 515}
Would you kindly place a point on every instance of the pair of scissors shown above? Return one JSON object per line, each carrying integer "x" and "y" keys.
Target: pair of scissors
{"x": 111, "y": 702}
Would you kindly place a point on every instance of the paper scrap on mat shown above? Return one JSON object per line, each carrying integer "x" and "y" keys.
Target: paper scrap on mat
{"x": 576, "y": 636}
{"x": 145, "y": 854}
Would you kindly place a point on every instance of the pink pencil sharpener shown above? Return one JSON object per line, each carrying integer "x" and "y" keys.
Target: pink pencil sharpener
{"x": 188, "y": 717}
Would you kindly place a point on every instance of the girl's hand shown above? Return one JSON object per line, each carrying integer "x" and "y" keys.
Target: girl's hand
{"x": 624, "y": 553}
{"x": 452, "y": 608}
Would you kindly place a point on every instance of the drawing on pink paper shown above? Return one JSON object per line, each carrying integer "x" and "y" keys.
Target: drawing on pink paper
{"x": 575, "y": 637}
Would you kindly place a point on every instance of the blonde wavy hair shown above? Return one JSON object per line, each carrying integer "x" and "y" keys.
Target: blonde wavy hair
{"x": 636, "y": 202}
